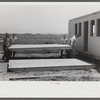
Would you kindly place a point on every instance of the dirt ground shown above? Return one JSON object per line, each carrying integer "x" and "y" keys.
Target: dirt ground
{"x": 63, "y": 75}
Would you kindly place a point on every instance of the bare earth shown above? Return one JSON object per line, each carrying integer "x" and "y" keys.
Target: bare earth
{"x": 63, "y": 75}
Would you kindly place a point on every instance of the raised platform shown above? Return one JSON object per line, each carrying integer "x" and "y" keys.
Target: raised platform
{"x": 48, "y": 64}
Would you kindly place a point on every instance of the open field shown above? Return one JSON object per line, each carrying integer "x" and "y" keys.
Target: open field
{"x": 35, "y": 39}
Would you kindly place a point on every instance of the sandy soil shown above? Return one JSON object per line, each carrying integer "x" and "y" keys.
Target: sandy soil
{"x": 63, "y": 75}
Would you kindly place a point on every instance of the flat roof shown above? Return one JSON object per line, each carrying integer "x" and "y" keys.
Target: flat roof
{"x": 94, "y": 13}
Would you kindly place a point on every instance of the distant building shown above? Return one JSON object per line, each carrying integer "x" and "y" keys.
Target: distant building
{"x": 88, "y": 29}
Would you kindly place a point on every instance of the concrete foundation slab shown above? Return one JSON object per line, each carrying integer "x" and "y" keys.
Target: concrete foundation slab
{"x": 49, "y": 64}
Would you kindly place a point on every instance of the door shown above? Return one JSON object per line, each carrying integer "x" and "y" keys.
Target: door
{"x": 85, "y": 36}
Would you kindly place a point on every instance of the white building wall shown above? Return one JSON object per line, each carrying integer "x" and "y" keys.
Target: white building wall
{"x": 93, "y": 42}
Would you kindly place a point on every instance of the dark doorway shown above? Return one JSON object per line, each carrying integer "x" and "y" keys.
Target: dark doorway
{"x": 86, "y": 36}
{"x": 76, "y": 29}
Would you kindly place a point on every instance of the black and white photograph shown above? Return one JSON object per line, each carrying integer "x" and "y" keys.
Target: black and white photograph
{"x": 50, "y": 41}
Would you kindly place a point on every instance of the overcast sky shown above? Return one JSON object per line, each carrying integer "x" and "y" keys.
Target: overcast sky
{"x": 41, "y": 17}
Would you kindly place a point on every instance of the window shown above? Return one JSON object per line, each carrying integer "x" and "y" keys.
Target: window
{"x": 75, "y": 29}
{"x": 80, "y": 28}
{"x": 98, "y": 27}
{"x": 92, "y": 27}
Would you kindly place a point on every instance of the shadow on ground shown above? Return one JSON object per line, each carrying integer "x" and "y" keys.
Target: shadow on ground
{"x": 90, "y": 60}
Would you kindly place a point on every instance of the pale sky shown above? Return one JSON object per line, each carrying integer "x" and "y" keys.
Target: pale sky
{"x": 41, "y": 17}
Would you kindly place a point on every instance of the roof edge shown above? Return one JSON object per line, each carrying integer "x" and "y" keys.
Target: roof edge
{"x": 85, "y": 15}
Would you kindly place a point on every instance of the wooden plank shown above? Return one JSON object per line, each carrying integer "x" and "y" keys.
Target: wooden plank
{"x": 38, "y": 46}
{"x": 49, "y": 64}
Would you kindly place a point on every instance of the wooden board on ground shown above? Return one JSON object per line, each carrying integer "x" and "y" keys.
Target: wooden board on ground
{"x": 49, "y": 64}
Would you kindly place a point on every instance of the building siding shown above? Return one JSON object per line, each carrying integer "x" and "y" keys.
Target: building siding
{"x": 93, "y": 41}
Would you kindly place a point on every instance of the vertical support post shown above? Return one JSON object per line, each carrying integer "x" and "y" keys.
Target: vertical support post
{"x": 62, "y": 52}
{"x": 77, "y": 28}
{"x": 96, "y": 27}
{"x": 8, "y": 70}
{"x": 7, "y": 67}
